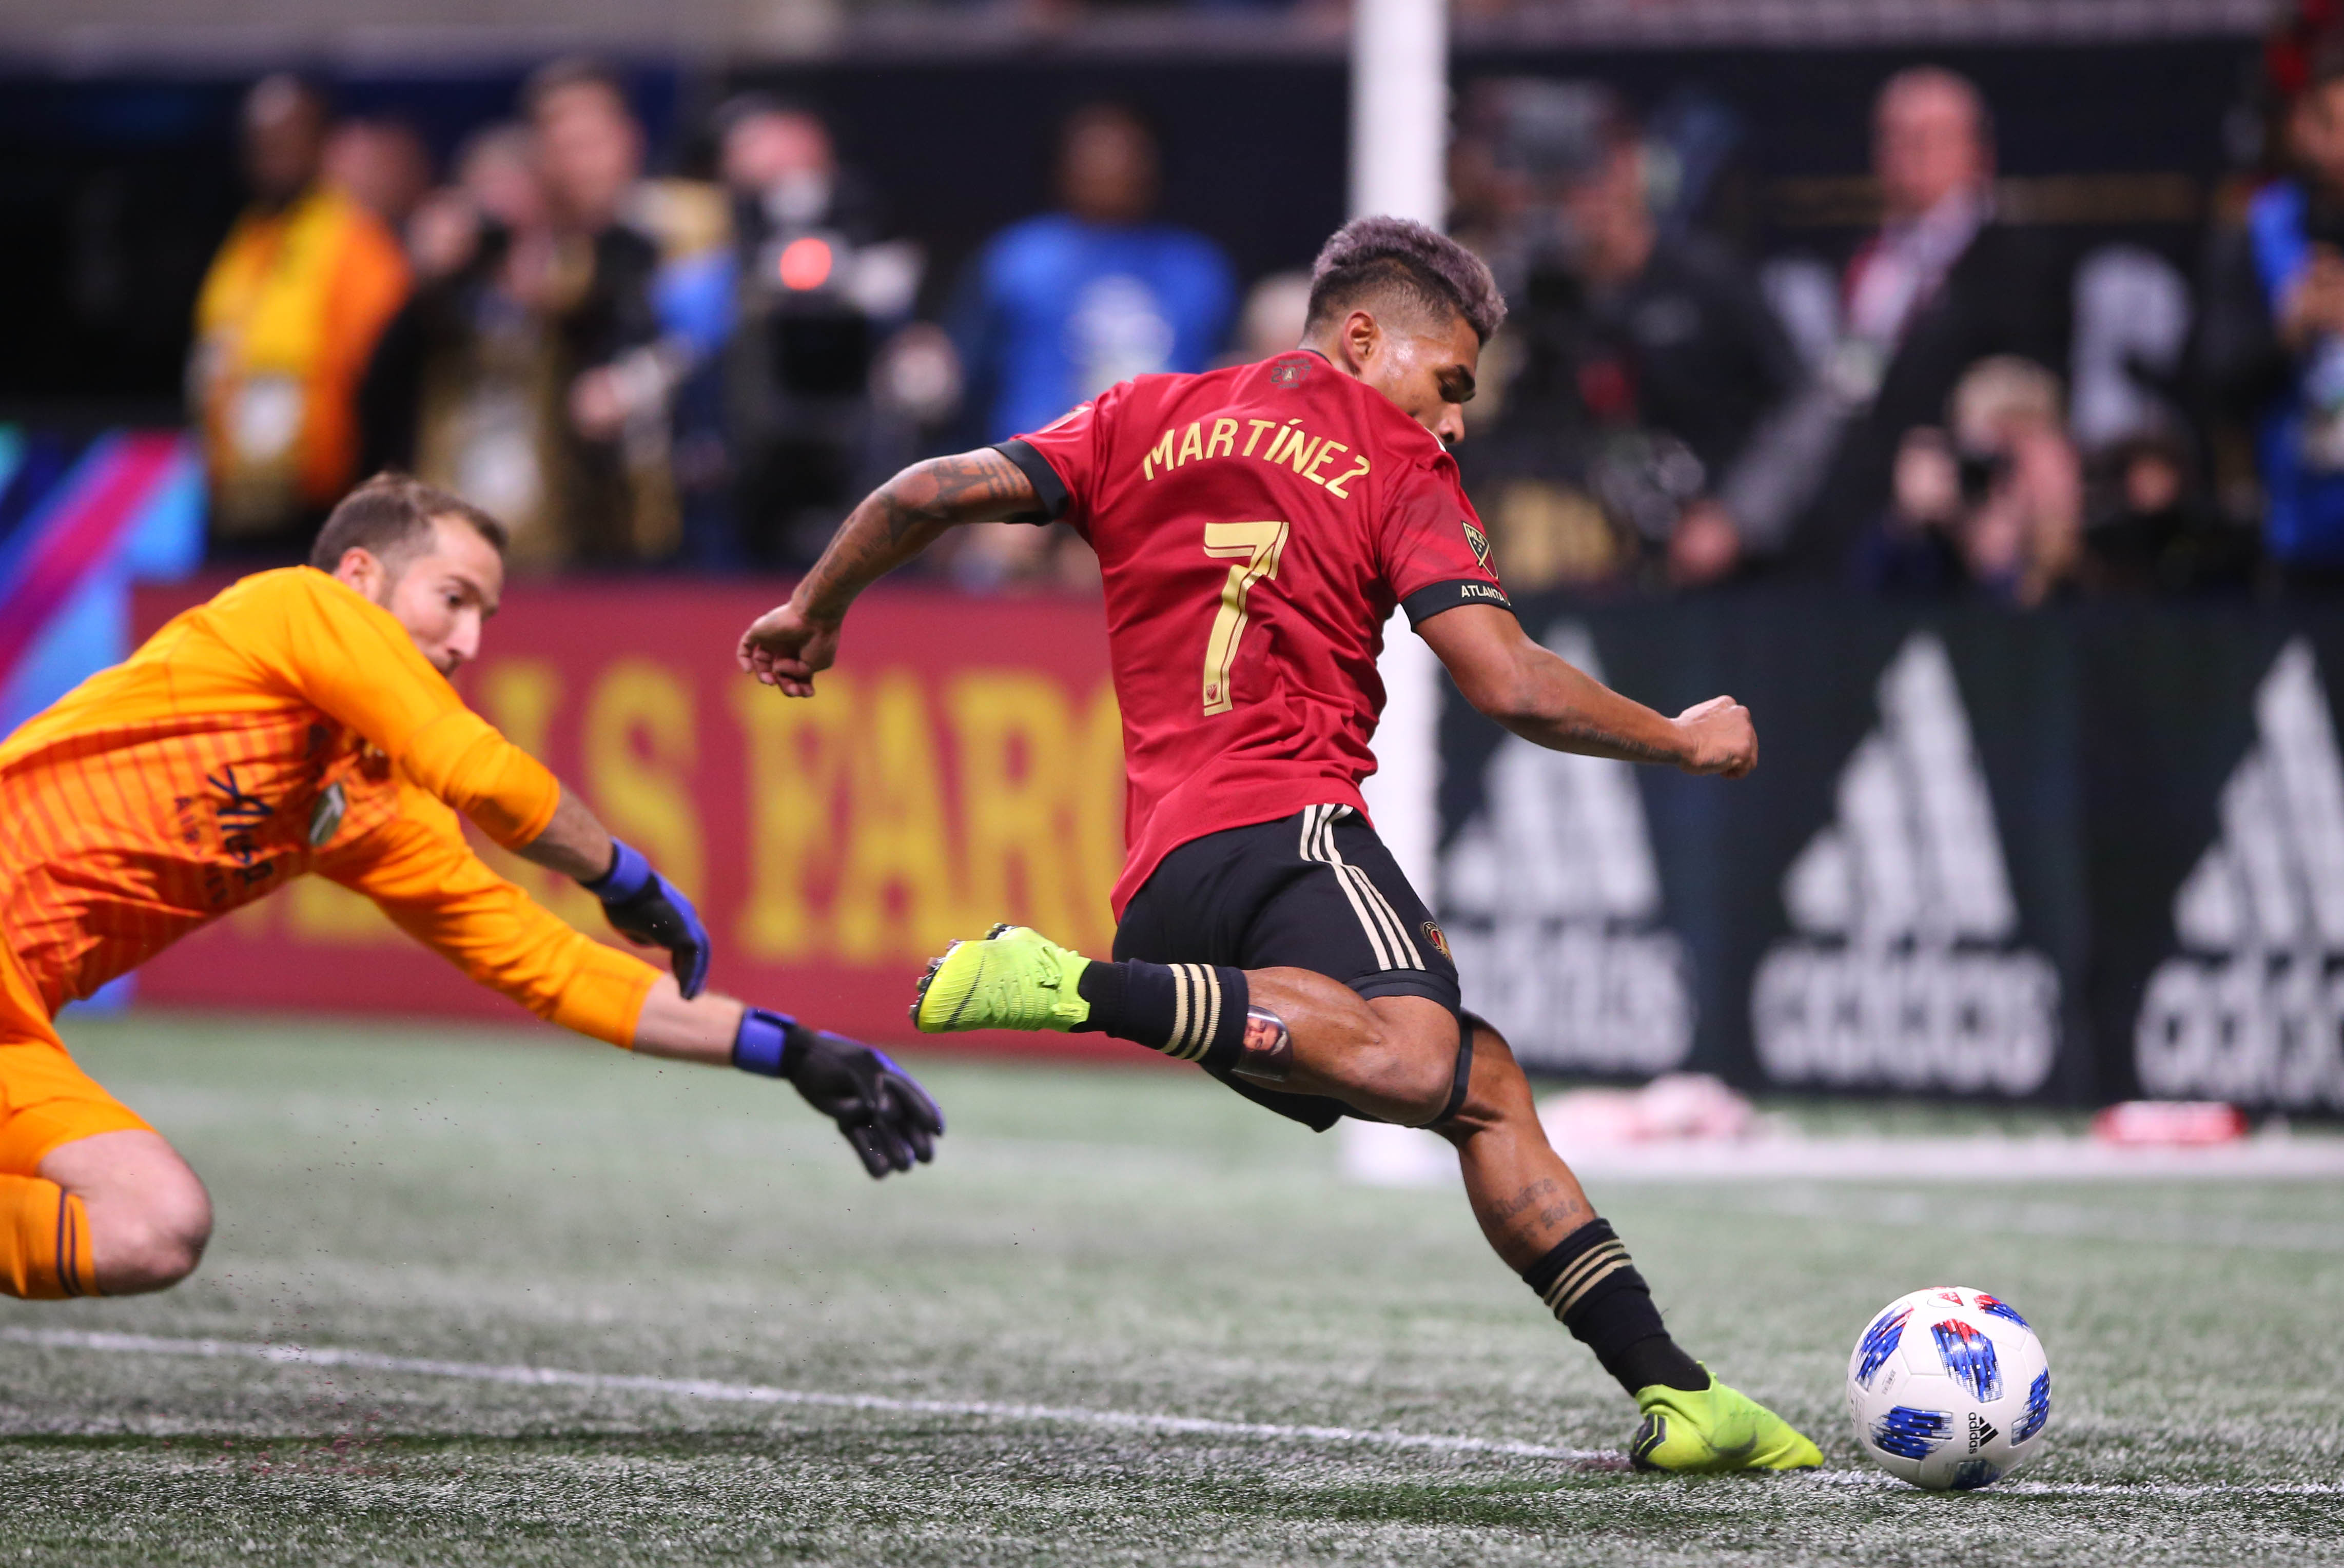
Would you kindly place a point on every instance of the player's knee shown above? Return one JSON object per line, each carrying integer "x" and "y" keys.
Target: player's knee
{"x": 1498, "y": 1095}
{"x": 151, "y": 1238}
{"x": 1416, "y": 1045}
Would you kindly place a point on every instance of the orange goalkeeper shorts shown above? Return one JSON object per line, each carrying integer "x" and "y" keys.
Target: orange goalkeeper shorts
{"x": 46, "y": 1099}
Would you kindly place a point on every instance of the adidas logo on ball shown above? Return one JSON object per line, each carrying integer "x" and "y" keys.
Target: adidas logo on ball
{"x": 1982, "y": 1431}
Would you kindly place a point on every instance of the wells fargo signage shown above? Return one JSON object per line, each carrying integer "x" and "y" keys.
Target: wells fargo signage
{"x": 961, "y": 765}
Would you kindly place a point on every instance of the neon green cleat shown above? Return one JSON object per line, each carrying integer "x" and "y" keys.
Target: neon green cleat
{"x": 1714, "y": 1430}
{"x": 1015, "y": 979}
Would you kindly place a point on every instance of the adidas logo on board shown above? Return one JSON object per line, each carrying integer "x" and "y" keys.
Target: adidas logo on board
{"x": 1902, "y": 974}
{"x": 2252, "y": 1009}
{"x": 1552, "y": 903}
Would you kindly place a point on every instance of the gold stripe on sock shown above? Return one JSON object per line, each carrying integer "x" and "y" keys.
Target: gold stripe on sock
{"x": 1587, "y": 1280}
{"x": 1185, "y": 1044}
{"x": 1179, "y": 1011}
{"x": 1583, "y": 1270}
{"x": 1212, "y": 1025}
{"x": 1568, "y": 1284}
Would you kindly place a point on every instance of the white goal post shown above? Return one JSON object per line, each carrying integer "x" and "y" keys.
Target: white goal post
{"x": 1400, "y": 157}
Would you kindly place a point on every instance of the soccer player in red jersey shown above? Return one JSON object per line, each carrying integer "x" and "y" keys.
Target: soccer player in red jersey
{"x": 1256, "y": 527}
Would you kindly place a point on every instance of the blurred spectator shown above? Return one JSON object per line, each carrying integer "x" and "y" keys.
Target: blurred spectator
{"x": 621, "y": 363}
{"x": 380, "y": 164}
{"x": 823, "y": 395}
{"x": 2272, "y": 341}
{"x": 288, "y": 315}
{"x": 1994, "y": 503}
{"x": 1941, "y": 287}
{"x": 2154, "y": 532}
{"x": 477, "y": 382}
{"x": 466, "y": 389}
{"x": 1648, "y": 372}
{"x": 1059, "y": 307}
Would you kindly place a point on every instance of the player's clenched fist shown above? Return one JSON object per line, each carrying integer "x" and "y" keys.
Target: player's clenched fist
{"x": 785, "y": 647}
{"x": 1719, "y": 738}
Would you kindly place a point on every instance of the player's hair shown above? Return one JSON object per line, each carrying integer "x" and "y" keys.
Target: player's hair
{"x": 390, "y": 517}
{"x": 1396, "y": 258}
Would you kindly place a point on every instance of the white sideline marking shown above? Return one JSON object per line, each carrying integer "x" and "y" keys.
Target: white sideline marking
{"x": 1262, "y": 1431}
{"x": 759, "y": 1393}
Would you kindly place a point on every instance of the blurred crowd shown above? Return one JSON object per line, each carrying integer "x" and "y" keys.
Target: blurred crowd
{"x": 636, "y": 370}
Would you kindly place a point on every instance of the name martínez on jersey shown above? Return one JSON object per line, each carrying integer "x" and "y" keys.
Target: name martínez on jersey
{"x": 1324, "y": 462}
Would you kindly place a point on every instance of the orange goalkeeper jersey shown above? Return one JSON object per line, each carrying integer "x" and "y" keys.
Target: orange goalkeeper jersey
{"x": 287, "y": 726}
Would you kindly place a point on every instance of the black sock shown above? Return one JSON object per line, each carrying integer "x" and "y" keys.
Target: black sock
{"x": 1593, "y": 1288}
{"x": 1196, "y": 1012}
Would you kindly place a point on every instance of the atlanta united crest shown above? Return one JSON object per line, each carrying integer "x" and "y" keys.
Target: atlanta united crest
{"x": 1433, "y": 933}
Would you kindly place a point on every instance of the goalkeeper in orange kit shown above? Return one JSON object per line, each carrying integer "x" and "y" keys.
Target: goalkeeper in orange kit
{"x": 302, "y": 721}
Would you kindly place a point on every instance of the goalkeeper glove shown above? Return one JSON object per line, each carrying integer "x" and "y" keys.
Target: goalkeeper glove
{"x": 883, "y": 1112}
{"x": 645, "y": 907}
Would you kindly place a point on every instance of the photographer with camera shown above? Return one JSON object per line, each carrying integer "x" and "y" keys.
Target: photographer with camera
{"x": 1992, "y": 505}
{"x": 826, "y": 379}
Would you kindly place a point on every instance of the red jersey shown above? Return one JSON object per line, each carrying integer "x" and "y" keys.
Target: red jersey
{"x": 1254, "y": 527}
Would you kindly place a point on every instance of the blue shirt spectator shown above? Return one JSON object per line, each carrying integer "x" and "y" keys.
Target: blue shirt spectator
{"x": 2271, "y": 340}
{"x": 1059, "y": 307}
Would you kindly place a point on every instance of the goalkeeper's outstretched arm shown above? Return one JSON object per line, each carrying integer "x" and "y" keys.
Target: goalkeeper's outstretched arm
{"x": 880, "y": 1109}
{"x": 790, "y": 644}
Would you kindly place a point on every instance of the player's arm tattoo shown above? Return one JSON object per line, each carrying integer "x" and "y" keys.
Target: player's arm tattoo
{"x": 1586, "y": 736}
{"x": 910, "y": 513}
{"x": 973, "y": 487}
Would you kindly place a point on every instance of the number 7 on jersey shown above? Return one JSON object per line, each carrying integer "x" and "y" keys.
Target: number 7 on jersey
{"x": 1256, "y": 546}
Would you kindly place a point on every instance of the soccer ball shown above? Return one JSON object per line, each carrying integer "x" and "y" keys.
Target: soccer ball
{"x": 1949, "y": 1389}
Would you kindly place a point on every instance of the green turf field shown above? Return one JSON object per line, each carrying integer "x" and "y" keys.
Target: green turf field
{"x": 1110, "y": 1245}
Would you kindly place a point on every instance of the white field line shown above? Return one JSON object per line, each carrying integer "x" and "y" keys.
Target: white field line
{"x": 761, "y": 1394}
{"x": 1123, "y": 1420}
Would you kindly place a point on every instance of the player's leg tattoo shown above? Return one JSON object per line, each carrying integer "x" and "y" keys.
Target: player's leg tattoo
{"x": 1537, "y": 1218}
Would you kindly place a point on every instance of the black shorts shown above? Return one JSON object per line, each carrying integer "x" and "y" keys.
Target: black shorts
{"x": 1317, "y": 890}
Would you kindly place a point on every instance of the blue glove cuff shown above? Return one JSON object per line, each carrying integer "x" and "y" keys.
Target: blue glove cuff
{"x": 761, "y": 1042}
{"x": 630, "y": 873}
